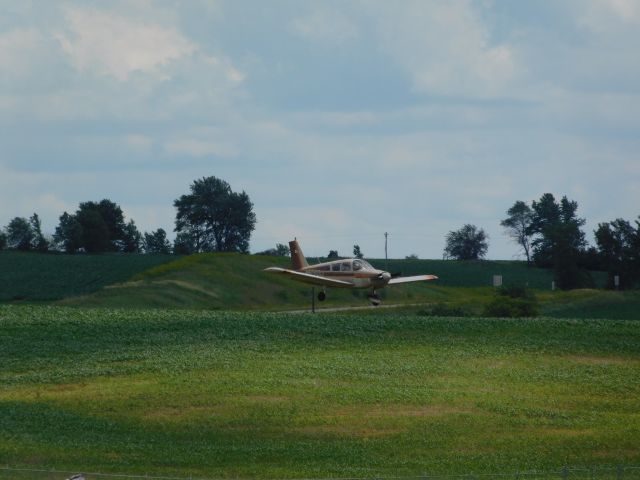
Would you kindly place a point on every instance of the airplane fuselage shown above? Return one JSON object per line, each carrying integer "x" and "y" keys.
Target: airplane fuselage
{"x": 358, "y": 273}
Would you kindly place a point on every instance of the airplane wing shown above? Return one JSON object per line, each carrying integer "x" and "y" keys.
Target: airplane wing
{"x": 417, "y": 278}
{"x": 308, "y": 278}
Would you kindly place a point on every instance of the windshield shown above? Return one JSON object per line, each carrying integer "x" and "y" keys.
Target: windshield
{"x": 361, "y": 265}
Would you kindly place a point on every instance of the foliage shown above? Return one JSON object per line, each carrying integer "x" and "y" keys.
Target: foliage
{"x": 280, "y": 250}
{"x": 333, "y": 255}
{"x": 97, "y": 227}
{"x": 156, "y": 242}
{"x": 3, "y": 240}
{"x": 512, "y": 301}
{"x": 131, "y": 238}
{"x": 411, "y": 256}
{"x": 357, "y": 253}
{"x": 24, "y": 234}
{"x": 20, "y": 235}
{"x": 518, "y": 226}
{"x": 557, "y": 238}
{"x": 468, "y": 243}
{"x": 214, "y": 218}
{"x": 68, "y": 234}
{"x": 619, "y": 248}
{"x": 247, "y": 395}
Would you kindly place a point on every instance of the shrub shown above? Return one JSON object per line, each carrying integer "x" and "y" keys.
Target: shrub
{"x": 513, "y": 301}
{"x": 443, "y": 310}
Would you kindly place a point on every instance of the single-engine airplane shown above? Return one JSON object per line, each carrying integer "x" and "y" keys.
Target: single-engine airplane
{"x": 344, "y": 273}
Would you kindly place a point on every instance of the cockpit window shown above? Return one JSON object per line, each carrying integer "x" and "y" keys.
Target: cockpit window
{"x": 335, "y": 267}
{"x": 360, "y": 264}
{"x": 346, "y": 267}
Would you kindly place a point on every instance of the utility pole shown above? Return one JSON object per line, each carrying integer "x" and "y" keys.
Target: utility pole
{"x": 386, "y": 259}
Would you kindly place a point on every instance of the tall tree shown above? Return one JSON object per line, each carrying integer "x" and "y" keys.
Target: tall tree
{"x": 518, "y": 224}
{"x": 156, "y": 242}
{"x": 39, "y": 242}
{"x": 20, "y": 234}
{"x": 619, "y": 248}
{"x": 68, "y": 234}
{"x": 214, "y": 218}
{"x": 96, "y": 227}
{"x": 96, "y": 237}
{"x": 559, "y": 241}
{"x": 131, "y": 238}
{"x": 357, "y": 252}
{"x": 467, "y": 243}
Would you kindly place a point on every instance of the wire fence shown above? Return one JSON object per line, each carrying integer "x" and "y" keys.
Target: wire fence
{"x": 619, "y": 472}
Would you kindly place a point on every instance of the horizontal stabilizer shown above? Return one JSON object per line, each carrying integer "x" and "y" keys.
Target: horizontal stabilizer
{"x": 417, "y": 278}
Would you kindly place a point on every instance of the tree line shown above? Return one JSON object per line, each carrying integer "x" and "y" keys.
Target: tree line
{"x": 549, "y": 234}
{"x": 214, "y": 218}
{"x": 210, "y": 218}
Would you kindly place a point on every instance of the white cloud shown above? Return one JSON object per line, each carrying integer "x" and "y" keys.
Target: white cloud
{"x": 202, "y": 142}
{"x": 602, "y": 15}
{"x": 325, "y": 26}
{"x": 109, "y": 44}
{"x": 17, "y": 48}
{"x": 445, "y": 47}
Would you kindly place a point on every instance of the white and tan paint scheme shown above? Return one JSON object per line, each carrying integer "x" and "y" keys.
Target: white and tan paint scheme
{"x": 344, "y": 273}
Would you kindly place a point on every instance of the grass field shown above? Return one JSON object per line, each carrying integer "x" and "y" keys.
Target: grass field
{"x": 45, "y": 277}
{"x": 219, "y": 394}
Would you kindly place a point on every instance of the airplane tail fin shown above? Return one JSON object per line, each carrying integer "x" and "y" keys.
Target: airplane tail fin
{"x": 298, "y": 262}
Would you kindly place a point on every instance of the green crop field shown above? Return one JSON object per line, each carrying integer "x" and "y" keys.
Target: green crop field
{"x": 45, "y": 277}
{"x": 223, "y": 394}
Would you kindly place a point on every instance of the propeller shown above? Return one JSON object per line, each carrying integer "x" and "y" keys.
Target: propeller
{"x": 384, "y": 276}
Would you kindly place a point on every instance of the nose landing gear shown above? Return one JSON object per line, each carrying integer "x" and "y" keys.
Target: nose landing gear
{"x": 374, "y": 299}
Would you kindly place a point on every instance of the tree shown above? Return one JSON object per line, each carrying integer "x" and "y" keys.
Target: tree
{"x": 96, "y": 227}
{"x": 559, "y": 242}
{"x": 214, "y": 218}
{"x": 20, "y": 234}
{"x": 68, "y": 234}
{"x": 131, "y": 238}
{"x": 468, "y": 243}
{"x": 333, "y": 255}
{"x": 518, "y": 224}
{"x": 184, "y": 244}
{"x": 39, "y": 242}
{"x": 411, "y": 256}
{"x": 619, "y": 248}
{"x": 357, "y": 253}
{"x": 156, "y": 242}
{"x": 95, "y": 236}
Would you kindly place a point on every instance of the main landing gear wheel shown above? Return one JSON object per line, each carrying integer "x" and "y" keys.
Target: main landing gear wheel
{"x": 374, "y": 299}
{"x": 322, "y": 296}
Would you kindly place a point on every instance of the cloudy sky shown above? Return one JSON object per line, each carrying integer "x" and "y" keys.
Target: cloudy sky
{"x": 341, "y": 119}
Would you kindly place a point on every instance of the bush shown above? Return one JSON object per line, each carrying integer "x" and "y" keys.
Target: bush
{"x": 512, "y": 302}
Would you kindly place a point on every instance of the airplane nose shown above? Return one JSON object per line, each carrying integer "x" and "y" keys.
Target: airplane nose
{"x": 386, "y": 276}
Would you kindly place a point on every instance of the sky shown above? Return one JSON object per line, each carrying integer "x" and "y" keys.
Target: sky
{"x": 341, "y": 119}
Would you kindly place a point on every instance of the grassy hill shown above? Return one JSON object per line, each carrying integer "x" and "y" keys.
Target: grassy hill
{"x": 258, "y": 395}
{"x": 232, "y": 281}
{"x": 222, "y": 281}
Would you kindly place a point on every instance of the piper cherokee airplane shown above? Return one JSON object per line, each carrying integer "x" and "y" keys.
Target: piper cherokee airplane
{"x": 344, "y": 273}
